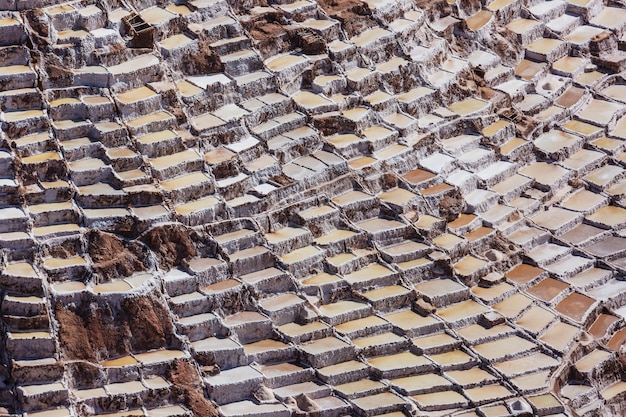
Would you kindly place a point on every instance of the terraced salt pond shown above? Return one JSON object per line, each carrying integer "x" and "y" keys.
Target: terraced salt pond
{"x": 384, "y": 209}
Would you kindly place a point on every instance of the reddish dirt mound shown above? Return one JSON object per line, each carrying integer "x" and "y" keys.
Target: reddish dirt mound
{"x": 354, "y": 15}
{"x": 271, "y": 37}
{"x": 434, "y": 7}
{"x": 204, "y": 62}
{"x": 187, "y": 387}
{"x": 97, "y": 331}
{"x": 112, "y": 258}
{"x": 172, "y": 243}
{"x": 271, "y": 33}
{"x": 451, "y": 206}
{"x": 148, "y": 322}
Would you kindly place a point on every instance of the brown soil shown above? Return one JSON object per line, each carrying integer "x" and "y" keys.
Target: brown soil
{"x": 172, "y": 244}
{"x": 340, "y": 6}
{"x": 263, "y": 30}
{"x": 331, "y": 124}
{"x": 76, "y": 332}
{"x": 271, "y": 33}
{"x": 478, "y": 85}
{"x": 311, "y": 43}
{"x": 525, "y": 125}
{"x": 187, "y": 388}
{"x": 61, "y": 249}
{"x": 98, "y": 331}
{"x": 225, "y": 170}
{"x": 576, "y": 183}
{"x": 85, "y": 375}
{"x": 149, "y": 321}
{"x": 273, "y": 36}
{"x": 204, "y": 62}
{"x": 112, "y": 258}
{"x": 451, "y": 206}
{"x": 434, "y": 7}
{"x": 282, "y": 180}
{"x": 38, "y": 21}
{"x": 354, "y": 15}
{"x": 508, "y": 50}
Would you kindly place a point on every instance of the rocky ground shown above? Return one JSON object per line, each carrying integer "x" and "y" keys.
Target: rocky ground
{"x": 325, "y": 208}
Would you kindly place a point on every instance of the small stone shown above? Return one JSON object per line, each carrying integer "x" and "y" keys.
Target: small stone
{"x": 263, "y": 394}
{"x": 520, "y": 408}
{"x": 306, "y": 404}
{"x": 211, "y": 370}
{"x": 494, "y": 255}
{"x": 491, "y": 279}
{"x": 438, "y": 256}
{"x": 424, "y": 307}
